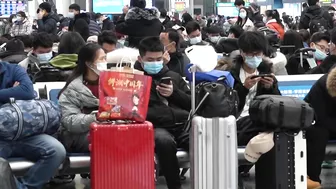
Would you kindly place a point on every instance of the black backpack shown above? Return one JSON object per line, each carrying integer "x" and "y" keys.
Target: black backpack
{"x": 216, "y": 99}
{"x": 317, "y": 23}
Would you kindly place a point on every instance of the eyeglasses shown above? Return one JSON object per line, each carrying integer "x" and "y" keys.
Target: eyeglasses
{"x": 322, "y": 47}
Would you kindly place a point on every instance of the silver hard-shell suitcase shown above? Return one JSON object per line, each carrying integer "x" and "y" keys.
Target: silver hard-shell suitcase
{"x": 213, "y": 150}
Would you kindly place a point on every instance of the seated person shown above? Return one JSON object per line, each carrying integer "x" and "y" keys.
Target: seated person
{"x": 108, "y": 40}
{"x": 248, "y": 64}
{"x": 330, "y": 60}
{"x": 322, "y": 97}
{"x": 194, "y": 34}
{"x": 213, "y": 35}
{"x": 174, "y": 58}
{"x": 14, "y": 52}
{"x": 79, "y": 98}
{"x": 235, "y": 32}
{"x": 42, "y": 50}
{"x": 43, "y": 149}
{"x": 169, "y": 107}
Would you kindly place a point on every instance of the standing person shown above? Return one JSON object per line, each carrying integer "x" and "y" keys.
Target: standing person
{"x": 272, "y": 20}
{"x": 186, "y": 18}
{"x": 256, "y": 16}
{"x": 105, "y": 22}
{"x": 80, "y": 21}
{"x": 320, "y": 17}
{"x": 322, "y": 97}
{"x": 244, "y": 21}
{"x": 21, "y": 26}
{"x": 47, "y": 21}
{"x": 239, "y": 4}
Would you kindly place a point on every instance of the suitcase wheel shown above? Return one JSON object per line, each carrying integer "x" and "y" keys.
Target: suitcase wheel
{"x": 85, "y": 176}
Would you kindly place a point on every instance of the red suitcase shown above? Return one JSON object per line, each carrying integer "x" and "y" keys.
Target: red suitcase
{"x": 122, "y": 156}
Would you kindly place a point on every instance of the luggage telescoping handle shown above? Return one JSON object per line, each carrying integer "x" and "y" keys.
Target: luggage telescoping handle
{"x": 192, "y": 70}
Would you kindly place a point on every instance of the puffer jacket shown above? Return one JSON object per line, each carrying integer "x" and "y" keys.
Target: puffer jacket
{"x": 274, "y": 25}
{"x": 21, "y": 28}
{"x": 73, "y": 100}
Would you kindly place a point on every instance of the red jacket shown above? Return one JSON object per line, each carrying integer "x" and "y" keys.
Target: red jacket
{"x": 278, "y": 28}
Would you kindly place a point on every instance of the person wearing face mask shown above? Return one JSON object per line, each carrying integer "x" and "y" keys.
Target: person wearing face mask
{"x": 248, "y": 64}
{"x": 194, "y": 34}
{"x": 330, "y": 60}
{"x": 213, "y": 35}
{"x": 41, "y": 52}
{"x": 21, "y": 26}
{"x": 244, "y": 21}
{"x": 80, "y": 97}
{"x": 47, "y": 21}
{"x": 104, "y": 22}
{"x": 320, "y": 42}
{"x": 168, "y": 109}
{"x": 79, "y": 22}
{"x": 177, "y": 61}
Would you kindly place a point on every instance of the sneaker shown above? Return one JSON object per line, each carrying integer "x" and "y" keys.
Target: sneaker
{"x": 328, "y": 165}
{"x": 313, "y": 185}
{"x": 62, "y": 179}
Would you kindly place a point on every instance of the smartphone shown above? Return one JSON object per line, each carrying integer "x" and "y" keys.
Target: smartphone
{"x": 165, "y": 80}
{"x": 262, "y": 76}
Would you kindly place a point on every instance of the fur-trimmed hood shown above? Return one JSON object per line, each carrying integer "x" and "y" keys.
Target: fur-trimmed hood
{"x": 136, "y": 13}
{"x": 331, "y": 82}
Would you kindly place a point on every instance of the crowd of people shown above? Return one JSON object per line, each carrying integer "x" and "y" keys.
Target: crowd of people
{"x": 72, "y": 48}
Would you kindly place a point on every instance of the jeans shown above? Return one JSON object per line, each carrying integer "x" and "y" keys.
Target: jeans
{"x": 45, "y": 150}
{"x": 166, "y": 144}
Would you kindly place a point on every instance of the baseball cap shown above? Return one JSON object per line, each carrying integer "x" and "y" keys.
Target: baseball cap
{"x": 258, "y": 146}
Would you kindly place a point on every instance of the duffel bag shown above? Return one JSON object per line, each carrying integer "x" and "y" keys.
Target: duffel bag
{"x": 216, "y": 99}
{"x": 281, "y": 112}
{"x": 24, "y": 118}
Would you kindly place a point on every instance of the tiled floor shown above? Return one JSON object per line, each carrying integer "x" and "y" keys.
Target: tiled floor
{"x": 328, "y": 177}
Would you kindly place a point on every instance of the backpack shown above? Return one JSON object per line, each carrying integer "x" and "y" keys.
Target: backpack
{"x": 317, "y": 23}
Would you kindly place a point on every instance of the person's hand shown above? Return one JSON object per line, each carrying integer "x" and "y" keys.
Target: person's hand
{"x": 249, "y": 83}
{"x": 40, "y": 15}
{"x": 16, "y": 84}
{"x": 125, "y": 9}
{"x": 267, "y": 81}
{"x": 165, "y": 90}
{"x": 166, "y": 57}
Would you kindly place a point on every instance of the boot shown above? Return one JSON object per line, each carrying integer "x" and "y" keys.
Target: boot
{"x": 312, "y": 184}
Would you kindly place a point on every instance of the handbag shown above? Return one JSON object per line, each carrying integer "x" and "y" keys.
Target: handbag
{"x": 281, "y": 112}
{"x": 23, "y": 118}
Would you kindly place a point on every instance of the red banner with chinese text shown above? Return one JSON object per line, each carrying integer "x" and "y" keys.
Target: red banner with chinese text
{"x": 123, "y": 96}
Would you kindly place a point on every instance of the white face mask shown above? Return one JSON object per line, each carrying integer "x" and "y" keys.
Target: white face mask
{"x": 195, "y": 40}
{"x": 265, "y": 20}
{"x": 102, "y": 66}
{"x": 71, "y": 15}
{"x": 242, "y": 15}
{"x": 214, "y": 39}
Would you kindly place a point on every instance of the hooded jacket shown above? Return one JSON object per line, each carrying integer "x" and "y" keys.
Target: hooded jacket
{"x": 139, "y": 23}
{"x": 64, "y": 61}
{"x": 21, "y": 28}
{"x": 48, "y": 24}
{"x": 315, "y": 11}
{"x": 274, "y": 25}
{"x": 264, "y": 68}
{"x": 325, "y": 66}
{"x": 81, "y": 25}
{"x": 324, "y": 105}
{"x": 179, "y": 103}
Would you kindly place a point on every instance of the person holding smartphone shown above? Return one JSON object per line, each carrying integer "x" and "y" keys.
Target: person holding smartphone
{"x": 168, "y": 108}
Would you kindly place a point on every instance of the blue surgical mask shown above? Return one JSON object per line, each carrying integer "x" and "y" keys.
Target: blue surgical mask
{"x": 153, "y": 67}
{"x": 253, "y": 61}
{"x": 45, "y": 57}
{"x": 319, "y": 55}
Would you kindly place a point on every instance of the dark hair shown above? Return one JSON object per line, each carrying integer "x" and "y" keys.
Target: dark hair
{"x": 150, "y": 44}
{"x": 173, "y": 36}
{"x": 319, "y": 36}
{"x": 75, "y": 7}
{"x": 3, "y": 40}
{"x": 214, "y": 30}
{"x": 305, "y": 35}
{"x": 108, "y": 37}
{"x": 8, "y": 36}
{"x": 250, "y": 42}
{"x": 275, "y": 15}
{"x": 240, "y": 20}
{"x": 27, "y": 40}
{"x": 10, "y": 19}
{"x": 87, "y": 53}
{"x": 15, "y": 45}
{"x": 192, "y": 26}
{"x": 22, "y": 14}
{"x": 236, "y": 30}
{"x": 291, "y": 38}
{"x": 239, "y": 3}
{"x": 163, "y": 13}
{"x": 313, "y": 2}
{"x": 97, "y": 16}
{"x": 45, "y": 6}
{"x": 304, "y": 5}
{"x": 71, "y": 43}
{"x": 42, "y": 39}
{"x": 138, "y": 3}
{"x": 186, "y": 18}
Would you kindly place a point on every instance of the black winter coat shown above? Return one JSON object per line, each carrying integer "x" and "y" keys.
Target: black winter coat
{"x": 48, "y": 24}
{"x": 314, "y": 10}
{"x": 81, "y": 25}
{"x": 139, "y": 23}
{"x": 325, "y": 66}
{"x": 264, "y": 68}
{"x": 179, "y": 104}
{"x": 178, "y": 62}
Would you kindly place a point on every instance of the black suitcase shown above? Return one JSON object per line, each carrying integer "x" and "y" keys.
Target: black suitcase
{"x": 285, "y": 166}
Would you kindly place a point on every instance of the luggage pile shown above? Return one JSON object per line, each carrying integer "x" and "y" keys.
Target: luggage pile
{"x": 122, "y": 142}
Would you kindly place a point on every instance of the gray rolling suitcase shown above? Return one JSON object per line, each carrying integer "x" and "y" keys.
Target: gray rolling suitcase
{"x": 213, "y": 149}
